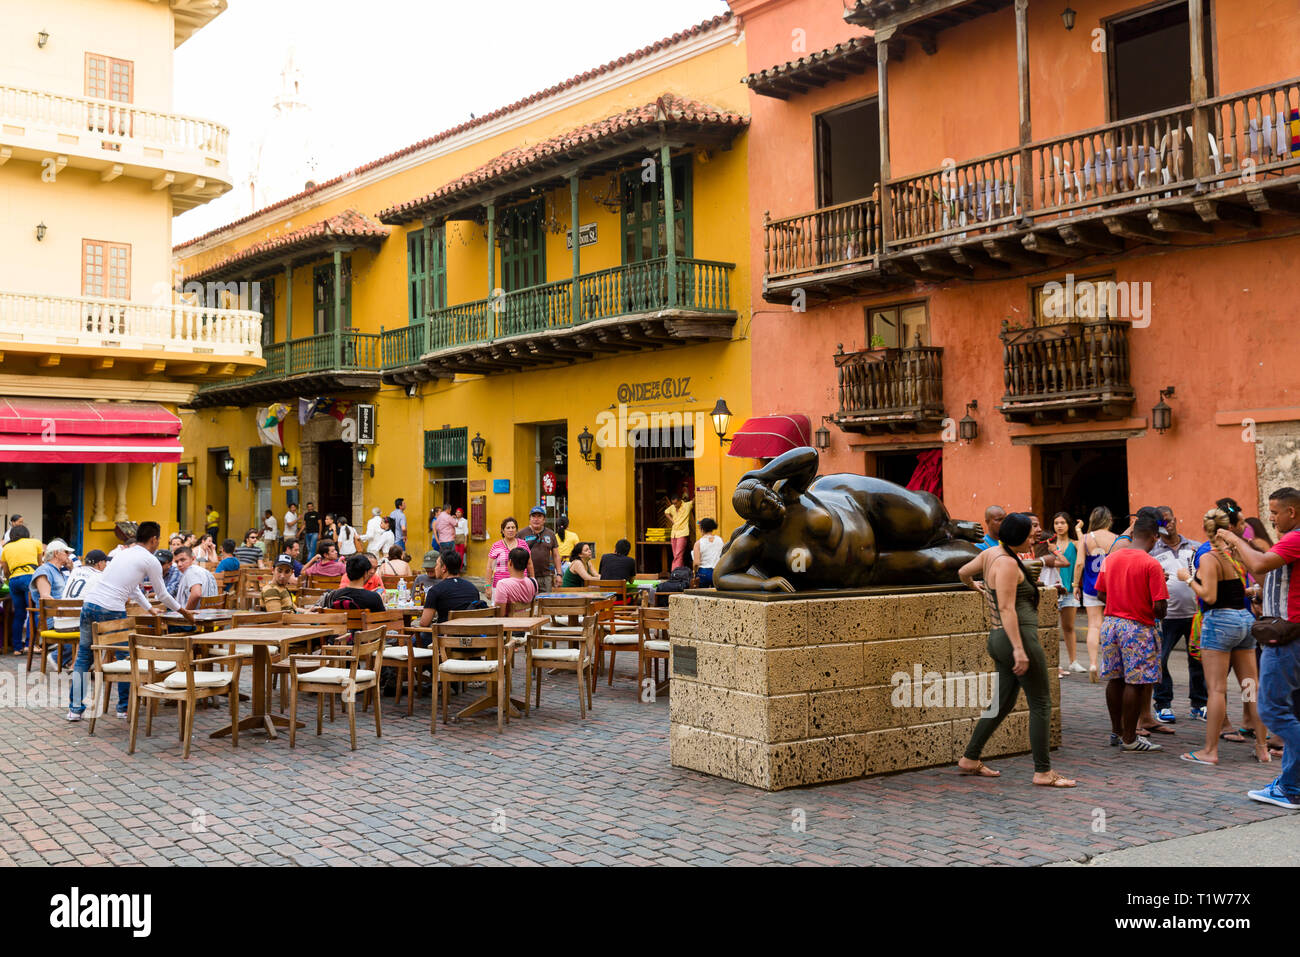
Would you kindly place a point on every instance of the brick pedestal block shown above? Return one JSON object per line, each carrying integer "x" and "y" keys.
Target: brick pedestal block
{"x": 778, "y": 694}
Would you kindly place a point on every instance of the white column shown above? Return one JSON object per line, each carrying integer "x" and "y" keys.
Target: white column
{"x": 101, "y": 475}
{"x": 119, "y": 486}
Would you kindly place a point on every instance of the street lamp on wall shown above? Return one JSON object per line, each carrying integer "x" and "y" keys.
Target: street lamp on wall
{"x": 822, "y": 438}
{"x": 363, "y": 455}
{"x": 585, "y": 441}
{"x": 721, "y": 416}
{"x": 42, "y": 38}
{"x": 228, "y": 466}
{"x": 40, "y": 231}
{"x": 1067, "y": 17}
{"x": 478, "y": 445}
{"x": 968, "y": 429}
{"x": 284, "y": 464}
{"x": 1162, "y": 417}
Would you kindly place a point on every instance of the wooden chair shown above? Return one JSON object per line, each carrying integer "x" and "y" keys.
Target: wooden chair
{"x": 491, "y": 611}
{"x": 222, "y": 600}
{"x": 108, "y": 640}
{"x": 227, "y": 581}
{"x": 619, "y": 587}
{"x": 322, "y": 581}
{"x": 307, "y": 597}
{"x": 458, "y": 645}
{"x": 652, "y": 646}
{"x": 391, "y": 581}
{"x": 313, "y": 619}
{"x": 185, "y": 683}
{"x": 42, "y": 625}
{"x": 577, "y": 660}
{"x": 616, "y": 630}
{"x": 566, "y": 616}
{"x": 340, "y": 670}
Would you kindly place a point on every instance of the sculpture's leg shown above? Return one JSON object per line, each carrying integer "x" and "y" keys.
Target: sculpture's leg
{"x": 928, "y": 566}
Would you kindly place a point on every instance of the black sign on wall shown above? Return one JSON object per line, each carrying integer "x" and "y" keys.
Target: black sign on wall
{"x": 366, "y": 424}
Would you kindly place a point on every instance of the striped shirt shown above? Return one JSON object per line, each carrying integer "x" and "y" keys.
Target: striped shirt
{"x": 248, "y": 554}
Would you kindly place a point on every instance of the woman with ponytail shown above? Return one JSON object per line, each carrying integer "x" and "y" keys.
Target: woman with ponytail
{"x": 1013, "y": 645}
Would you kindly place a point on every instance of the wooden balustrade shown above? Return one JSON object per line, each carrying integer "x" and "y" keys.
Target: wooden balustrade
{"x": 889, "y": 389}
{"x": 1257, "y": 131}
{"x": 402, "y": 346}
{"x": 1072, "y": 369}
{"x": 828, "y": 238}
{"x": 957, "y": 198}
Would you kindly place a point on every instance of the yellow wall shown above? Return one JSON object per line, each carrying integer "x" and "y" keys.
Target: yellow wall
{"x": 74, "y": 207}
{"x": 503, "y": 407}
{"x": 135, "y": 30}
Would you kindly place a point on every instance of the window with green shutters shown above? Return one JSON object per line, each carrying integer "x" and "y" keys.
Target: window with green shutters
{"x": 644, "y": 229}
{"x": 323, "y": 296}
{"x": 417, "y": 272}
{"x": 266, "y": 302}
{"x": 445, "y": 448}
{"x": 523, "y": 246}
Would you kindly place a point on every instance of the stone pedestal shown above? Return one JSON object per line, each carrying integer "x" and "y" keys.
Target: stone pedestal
{"x": 804, "y": 690}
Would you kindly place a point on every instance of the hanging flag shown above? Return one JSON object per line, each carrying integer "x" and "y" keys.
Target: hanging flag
{"x": 270, "y": 423}
{"x": 323, "y": 405}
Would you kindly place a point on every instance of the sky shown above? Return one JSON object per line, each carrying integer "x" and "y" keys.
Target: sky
{"x": 383, "y": 74}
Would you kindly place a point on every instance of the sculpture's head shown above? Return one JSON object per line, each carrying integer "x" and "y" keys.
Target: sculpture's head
{"x": 757, "y": 503}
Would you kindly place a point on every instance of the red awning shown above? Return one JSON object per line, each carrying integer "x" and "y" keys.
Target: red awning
{"x": 73, "y": 430}
{"x": 767, "y": 436}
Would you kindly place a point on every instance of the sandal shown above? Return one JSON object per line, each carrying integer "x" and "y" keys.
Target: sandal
{"x": 981, "y": 770}
{"x": 1247, "y": 733}
{"x": 1160, "y": 729}
{"x": 1195, "y": 758}
{"x": 1266, "y": 759}
{"x": 1233, "y": 736}
{"x": 1056, "y": 781}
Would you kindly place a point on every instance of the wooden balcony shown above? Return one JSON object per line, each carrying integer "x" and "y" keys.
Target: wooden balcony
{"x": 349, "y": 361}
{"x": 1146, "y": 180}
{"x": 890, "y": 390}
{"x": 1069, "y": 372}
{"x": 623, "y": 309}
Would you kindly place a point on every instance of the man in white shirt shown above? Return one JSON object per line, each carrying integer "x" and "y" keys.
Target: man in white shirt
{"x": 270, "y": 535}
{"x": 196, "y": 581}
{"x": 373, "y": 526}
{"x": 82, "y": 576}
{"x": 13, "y": 520}
{"x": 105, "y": 600}
{"x": 290, "y": 526}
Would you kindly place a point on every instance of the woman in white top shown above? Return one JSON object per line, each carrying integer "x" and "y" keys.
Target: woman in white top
{"x": 707, "y": 551}
{"x": 378, "y": 545}
{"x": 347, "y": 536}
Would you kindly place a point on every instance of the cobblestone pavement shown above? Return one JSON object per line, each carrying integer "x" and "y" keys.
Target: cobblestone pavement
{"x": 556, "y": 790}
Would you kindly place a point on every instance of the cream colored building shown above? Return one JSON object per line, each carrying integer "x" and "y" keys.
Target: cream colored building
{"x": 97, "y": 349}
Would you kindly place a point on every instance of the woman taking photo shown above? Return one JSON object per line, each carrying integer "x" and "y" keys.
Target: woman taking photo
{"x": 1068, "y": 562}
{"x": 578, "y": 572}
{"x": 498, "y": 561}
{"x": 1226, "y": 641}
{"x": 1013, "y": 645}
{"x": 1097, "y": 544}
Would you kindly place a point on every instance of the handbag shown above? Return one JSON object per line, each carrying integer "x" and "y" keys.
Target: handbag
{"x": 1275, "y": 632}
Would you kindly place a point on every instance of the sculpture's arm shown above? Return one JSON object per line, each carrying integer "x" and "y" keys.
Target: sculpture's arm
{"x": 733, "y": 571}
{"x": 798, "y": 467}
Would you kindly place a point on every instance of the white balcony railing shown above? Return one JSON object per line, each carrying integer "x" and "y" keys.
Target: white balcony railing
{"x": 110, "y": 132}
{"x": 118, "y": 324}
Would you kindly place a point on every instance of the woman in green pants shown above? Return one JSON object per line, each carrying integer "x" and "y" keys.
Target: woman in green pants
{"x": 1013, "y": 645}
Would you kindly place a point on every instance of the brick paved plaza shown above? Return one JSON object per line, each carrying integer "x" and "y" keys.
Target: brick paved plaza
{"x": 555, "y": 790}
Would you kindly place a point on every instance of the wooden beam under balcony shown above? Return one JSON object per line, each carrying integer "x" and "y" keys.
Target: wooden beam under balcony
{"x": 1090, "y": 237}
{"x": 1011, "y": 251}
{"x": 1133, "y": 226}
{"x": 1230, "y": 214}
{"x": 1172, "y": 221}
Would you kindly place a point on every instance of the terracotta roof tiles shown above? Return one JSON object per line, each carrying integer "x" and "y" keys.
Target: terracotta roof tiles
{"x": 348, "y": 224}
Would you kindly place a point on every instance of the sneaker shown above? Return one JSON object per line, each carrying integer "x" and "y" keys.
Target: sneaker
{"x": 1114, "y": 739}
{"x": 1166, "y": 716}
{"x": 1140, "y": 744}
{"x": 1275, "y": 795}
{"x": 74, "y": 715}
{"x": 121, "y": 714}
{"x": 1077, "y": 668}
{"x": 1197, "y": 714}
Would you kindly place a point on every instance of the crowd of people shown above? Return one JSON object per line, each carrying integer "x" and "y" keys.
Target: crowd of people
{"x": 1144, "y": 591}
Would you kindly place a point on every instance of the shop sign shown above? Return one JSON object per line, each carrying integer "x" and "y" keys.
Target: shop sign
{"x": 288, "y": 481}
{"x": 706, "y": 502}
{"x": 586, "y": 236}
{"x": 478, "y": 485}
{"x": 548, "y": 483}
{"x": 501, "y": 486}
{"x": 670, "y": 387}
{"x": 184, "y": 480}
{"x": 366, "y": 424}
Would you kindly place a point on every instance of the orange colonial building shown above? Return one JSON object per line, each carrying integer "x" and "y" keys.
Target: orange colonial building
{"x": 1027, "y": 222}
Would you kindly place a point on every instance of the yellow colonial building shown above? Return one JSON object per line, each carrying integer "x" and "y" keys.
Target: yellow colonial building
{"x": 540, "y": 306}
{"x": 97, "y": 350}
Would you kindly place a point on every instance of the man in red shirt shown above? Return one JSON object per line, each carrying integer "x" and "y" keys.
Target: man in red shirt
{"x": 1279, "y": 668}
{"x": 1133, "y": 585}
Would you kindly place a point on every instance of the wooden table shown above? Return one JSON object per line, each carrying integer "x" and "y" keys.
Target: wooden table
{"x": 263, "y": 638}
{"x": 207, "y": 618}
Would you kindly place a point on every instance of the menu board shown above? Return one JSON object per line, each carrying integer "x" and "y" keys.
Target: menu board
{"x": 706, "y": 502}
{"x": 478, "y": 518}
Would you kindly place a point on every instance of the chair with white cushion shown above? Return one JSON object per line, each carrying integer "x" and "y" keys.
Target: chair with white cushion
{"x": 652, "y": 647}
{"x": 109, "y": 662}
{"x": 566, "y": 617}
{"x": 576, "y": 659}
{"x": 343, "y": 670}
{"x": 616, "y": 631}
{"x": 405, "y": 656}
{"x": 470, "y": 650}
{"x": 153, "y": 656}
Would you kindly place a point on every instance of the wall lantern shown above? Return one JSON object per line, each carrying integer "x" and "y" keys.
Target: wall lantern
{"x": 42, "y": 38}
{"x": 363, "y": 455}
{"x": 40, "y": 231}
{"x": 284, "y": 464}
{"x": 585, "y": 441}
{"x": 1067, "y": 17}
{"x": 1162, "y": 417}
{"x": 721, "y": 418}
{"x": 228, "y": 466}
{"x": 968, "y": 429}
{"x": 822, "y": 437}
{"x": 478, "y": 445}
